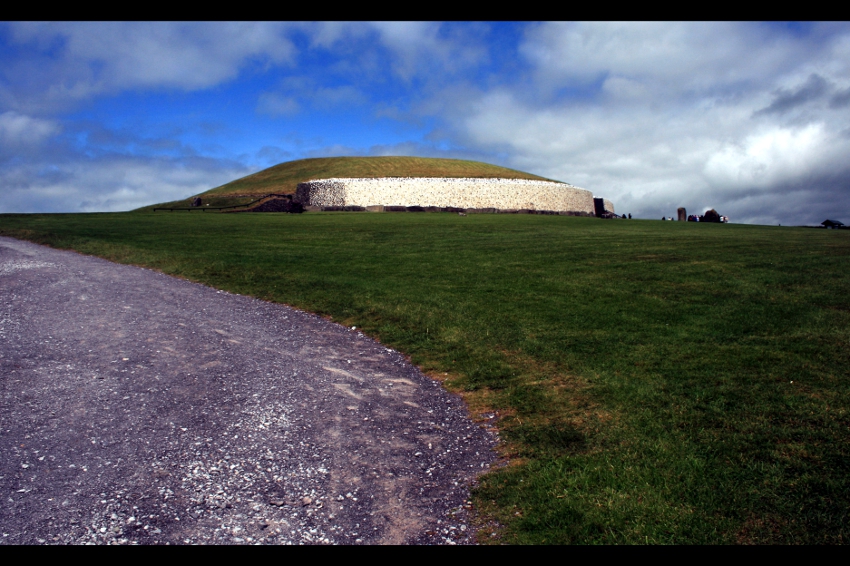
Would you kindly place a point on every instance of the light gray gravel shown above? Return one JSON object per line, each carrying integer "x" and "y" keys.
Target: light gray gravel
{"x": 140, "y": 408}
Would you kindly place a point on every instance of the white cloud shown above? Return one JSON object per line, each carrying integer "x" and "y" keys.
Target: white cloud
{"x": 623, "y": 88}
{"x": 79, "y": 59}
{"x": 668, "y": 116}
{"x": 275, "y": 104}
{"x": 341, "y": 96}
{"x": 298, "y": 92}
{"x": 108, "y": 184}
{"x": 416, "y": 48}
{"x": 677, "y": 56}
{"x": 17, "y": 129}
{"x": 413, "y": 44}
{"x": 765, "y": 159}
{"x": 327, "y": 35}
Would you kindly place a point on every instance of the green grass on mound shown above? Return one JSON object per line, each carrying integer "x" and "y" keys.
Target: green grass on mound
{"x": 285, "y": 177}
{"x": 656, "y": 382}
{"x": 207, "y": 202}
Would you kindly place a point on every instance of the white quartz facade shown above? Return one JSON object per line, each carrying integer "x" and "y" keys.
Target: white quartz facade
{"x": 444, "y": 192}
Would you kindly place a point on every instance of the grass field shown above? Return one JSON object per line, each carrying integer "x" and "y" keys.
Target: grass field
{"x": 656, "y": 382}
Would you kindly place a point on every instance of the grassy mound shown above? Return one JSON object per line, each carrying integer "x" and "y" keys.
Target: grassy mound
{"x": 284, "y": 178}
{"x": 213, "y": 202}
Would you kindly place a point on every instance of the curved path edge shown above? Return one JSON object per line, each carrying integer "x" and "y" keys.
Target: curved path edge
{"x": 136, "y": 407}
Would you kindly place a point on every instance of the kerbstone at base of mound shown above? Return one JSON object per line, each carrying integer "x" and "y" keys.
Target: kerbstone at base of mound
{"x": 395, "y": 194}
{"x": 450, "y": 209}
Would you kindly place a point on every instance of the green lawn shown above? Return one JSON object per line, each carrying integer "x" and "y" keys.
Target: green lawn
{"x": 656, "y": 382}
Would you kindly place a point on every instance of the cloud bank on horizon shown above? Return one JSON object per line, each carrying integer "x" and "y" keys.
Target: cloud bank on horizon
{"x": 750, "y": 119}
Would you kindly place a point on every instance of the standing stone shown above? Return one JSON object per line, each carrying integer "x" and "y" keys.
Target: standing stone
{"x": 683, "y": 215}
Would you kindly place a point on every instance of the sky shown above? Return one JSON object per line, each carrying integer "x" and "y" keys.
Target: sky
{"x": 751, "y": 119}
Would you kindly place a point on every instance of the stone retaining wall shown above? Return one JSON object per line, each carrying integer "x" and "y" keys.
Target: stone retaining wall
{"x": 462, "y": 193}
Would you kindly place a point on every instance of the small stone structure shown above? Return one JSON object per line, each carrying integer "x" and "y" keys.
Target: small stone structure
{"x": 603, "y": 207}
{"x": 277, "y": 204}
{"x": 443, "y": 192}
{"x": 710, "y": 216}
{"x": 683, "y": 214}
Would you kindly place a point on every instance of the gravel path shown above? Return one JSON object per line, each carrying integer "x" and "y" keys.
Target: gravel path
{"x": 140, "y": 408}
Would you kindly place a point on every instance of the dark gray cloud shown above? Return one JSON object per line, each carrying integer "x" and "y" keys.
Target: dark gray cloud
{"x": 840, "y": 99}
{"x": 814, "y": 88}
{"x": 805, "y": 203}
